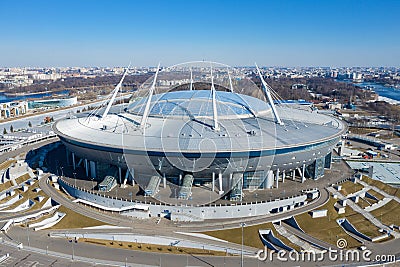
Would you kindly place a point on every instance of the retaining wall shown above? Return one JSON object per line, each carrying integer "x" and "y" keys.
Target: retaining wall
{"x": 189, "y": 213}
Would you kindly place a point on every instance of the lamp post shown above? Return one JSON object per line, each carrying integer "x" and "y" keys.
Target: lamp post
{"x": 27, "y": 232}
{"x": 73, "y": 251}
{"x": 241, "y": 252}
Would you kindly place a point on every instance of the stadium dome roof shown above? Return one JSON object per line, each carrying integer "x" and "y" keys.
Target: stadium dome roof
{"x": 198, "y": 103}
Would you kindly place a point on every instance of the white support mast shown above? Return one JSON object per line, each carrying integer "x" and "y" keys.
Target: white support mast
{"x": 267, "y": 93}
{"x": 230, "y": 81}
{"x": 214, "y": 103}
{"x": 191, "y": 80}
{"x": 147, "y": 108}
{"x": 115, "y": 93}
{"x": 244, "y": 101}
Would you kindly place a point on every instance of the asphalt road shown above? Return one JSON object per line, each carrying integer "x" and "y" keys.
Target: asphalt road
{"x": 87, "y": 254}
{"x": 98, "y": 254}
{"x": 18, "y": 257}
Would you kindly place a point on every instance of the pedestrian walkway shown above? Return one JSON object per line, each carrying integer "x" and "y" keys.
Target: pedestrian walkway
{"x": 295, "y": 240}
{"x": 360, "y": 192}
{"x": 381, "y": 203}
{"x": 363, "y": 212}
{"x": 379, "y": 191}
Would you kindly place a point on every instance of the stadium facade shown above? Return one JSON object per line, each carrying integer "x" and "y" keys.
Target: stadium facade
{"x": 199, "y": 132}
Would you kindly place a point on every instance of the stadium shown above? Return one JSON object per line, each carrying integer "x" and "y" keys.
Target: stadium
{"x": 199, "y": 132}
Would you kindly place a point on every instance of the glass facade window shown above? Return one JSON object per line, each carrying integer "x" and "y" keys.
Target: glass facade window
{"x": 253, "y": 179}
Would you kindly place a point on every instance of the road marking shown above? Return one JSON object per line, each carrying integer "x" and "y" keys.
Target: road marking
{"x": 8, "y": 261}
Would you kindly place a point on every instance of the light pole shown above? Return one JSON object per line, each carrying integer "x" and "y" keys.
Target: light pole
{"x": 225, "y": 259}
{"x": 73, "y": 252}
{"x": 241, "y": 252}
{"x": 27, "y": 232}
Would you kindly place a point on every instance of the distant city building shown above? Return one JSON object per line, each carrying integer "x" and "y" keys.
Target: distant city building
{"x": 357, "y": 77}
{"x": 16, "y": 81}
{"x": 45, "y": 76}
{"x": 299, "y": 86}
{"x": 13, "y": 109}
{"x": 334, "y": 105}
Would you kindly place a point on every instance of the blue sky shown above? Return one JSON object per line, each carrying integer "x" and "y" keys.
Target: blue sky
{"x": 271, "y": 33}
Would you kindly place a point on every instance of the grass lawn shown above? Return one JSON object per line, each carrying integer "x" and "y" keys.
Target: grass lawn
{"x": 382, "y": 186}
{"x": 152, "y": 247}
{"x": 363, "y": 204}
{"x": 349, "y": 187}
{"x": 356, "y": 130}
{"x": 251, "y": 237}
{"x": 389, "y": 213}
{"x": 363, "y": 225}
{"x": 376, "y": 194}
{"x": 4, "y": 165}
{"x": 19, "y": 180}
{"x": 41, "y": 218}
{"x": 38, "y": 205}
{"x": 5, "y": 186}
{"x": 22, "y": 178}
{"x": 75, "y": 220}
{"x": 326, "y": 228}
{"x": 30, "y": 194}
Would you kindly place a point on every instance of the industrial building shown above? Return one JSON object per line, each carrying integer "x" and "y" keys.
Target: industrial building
{"x": 53, "y": 102}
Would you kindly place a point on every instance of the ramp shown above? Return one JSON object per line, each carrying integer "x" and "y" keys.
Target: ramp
{"x": 236, "y": 192}
{"x": 186, "y": 189}
{"x": 152, "y": 187}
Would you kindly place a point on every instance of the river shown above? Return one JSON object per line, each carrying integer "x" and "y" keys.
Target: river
{"x": 4, "y": 98}
{"x": 385, "y": 91}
